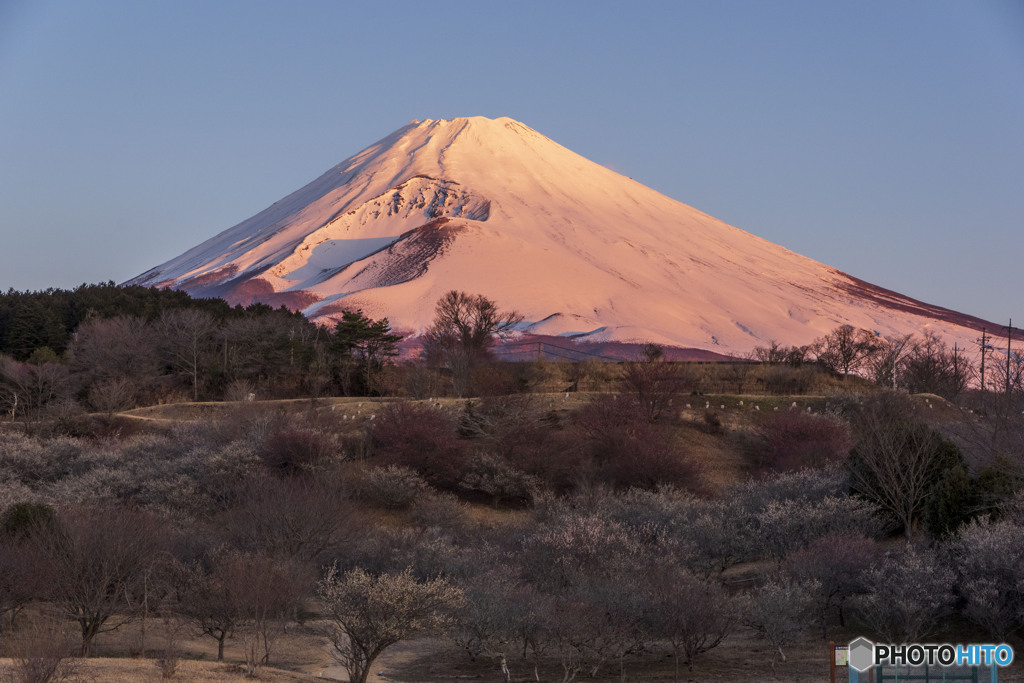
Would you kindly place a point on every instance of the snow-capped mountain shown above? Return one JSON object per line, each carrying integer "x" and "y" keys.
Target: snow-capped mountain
{"x": 494, "y": 207}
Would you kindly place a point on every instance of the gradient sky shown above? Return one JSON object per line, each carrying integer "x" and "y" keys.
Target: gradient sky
{"x": 883, "y": 138}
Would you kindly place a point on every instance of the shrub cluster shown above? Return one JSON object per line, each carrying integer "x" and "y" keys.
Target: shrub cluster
{"x": 236, "y": 524}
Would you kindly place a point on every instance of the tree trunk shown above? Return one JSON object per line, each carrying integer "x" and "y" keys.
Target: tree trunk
{"x": 88, "y": 633}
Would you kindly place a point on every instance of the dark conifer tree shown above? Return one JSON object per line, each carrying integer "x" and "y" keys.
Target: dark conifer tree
{"x": 362, "y": 346}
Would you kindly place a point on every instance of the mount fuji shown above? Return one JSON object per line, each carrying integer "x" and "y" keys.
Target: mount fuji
{"x": 492, "y": 207}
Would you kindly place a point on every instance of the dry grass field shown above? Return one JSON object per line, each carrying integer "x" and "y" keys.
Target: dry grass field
{"x": 302, "y": 655}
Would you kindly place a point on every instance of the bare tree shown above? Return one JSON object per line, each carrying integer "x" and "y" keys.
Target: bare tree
{"x": 886, "y": 365}
{"x": 462, "y": 333}
{"x": 21, "y": 581}
{"x": 273, "y": 592}
{"x": 169, "y": 651}
{"x": 210, "y": 599}
{"x": 187, "y": 342}
{"x": 502, "y": 615}
{"x": 773, "y": 354}
{"x": 27, "y": 390}
{"x": 482, "y": 625}
{"x": 838, "y": 561}
{"x": 98, "y": 558}
{"x": 654, "y": 382}
{"x": 845, "y": 349}
{"x": 394, "y": 487}
{"x": 422, "y": 438}
{"x": 612, "y": 625}
{"x": 930, "y": 366}
{"x": 43, "y": 654}
{"x": 561, "y": 627}
{"x": 1008, "y": 376}
{"x": 776, "y": 354}
{"x": 693, "y": 614}
{"x": 110, "y": 396}
{"x": 368, "y": 614}
{"x": 294, "y": 519}
{"x": 590, "y": 626}
{"x": 575, "y": 548}
{"x": 897, "y": 462}
{"x": 720, "y": 535}
{"x": 795, "y": 438}
{"x": 114, "y": 348}
{"x": 239, "y": 592}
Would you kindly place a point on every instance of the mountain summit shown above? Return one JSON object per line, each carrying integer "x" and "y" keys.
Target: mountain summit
{"x": 494, "y": 207}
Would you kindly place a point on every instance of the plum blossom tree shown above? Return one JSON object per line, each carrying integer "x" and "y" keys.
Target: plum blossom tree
{"x": 838, "y": 561}
{"x": 778, "y": 612}
{"x": 693, "y": 614}
{"x": 367, "y": 614}
{"x": 908, "y": 593}
{"x": 989, "y": 558}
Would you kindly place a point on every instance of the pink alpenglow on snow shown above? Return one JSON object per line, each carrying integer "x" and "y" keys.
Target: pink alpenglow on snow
{"x": 493, "y": 207}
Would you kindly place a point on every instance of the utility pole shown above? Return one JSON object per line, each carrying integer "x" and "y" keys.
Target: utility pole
{"x": 957, "y": 371}
{"x": 1009, "y": 336}
{"x": 984, "y": 346}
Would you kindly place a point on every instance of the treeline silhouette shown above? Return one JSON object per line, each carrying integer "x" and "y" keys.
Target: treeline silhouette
{"x": 32, "y": 321}
{"x": 108, "y": 348}
{"x": 105, "y": 348}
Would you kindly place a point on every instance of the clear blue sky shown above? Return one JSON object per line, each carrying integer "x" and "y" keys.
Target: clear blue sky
{"x": 883, "y": 138}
